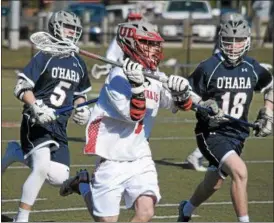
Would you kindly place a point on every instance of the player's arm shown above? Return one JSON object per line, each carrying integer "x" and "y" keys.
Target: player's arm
{"x": 24, "y": 90}
{"x": 82, "y": 114}
{"x": 265, "y": 117}
{"x": 134, "y": 73}
{"x": 198, "y": 83}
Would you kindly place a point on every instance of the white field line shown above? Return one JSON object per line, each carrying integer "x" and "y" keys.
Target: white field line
{"x": 123, "y": 207}
{"x": 169, "y": 138}
{"x": 92, "y": 165}
{"x": 15, "y": 200}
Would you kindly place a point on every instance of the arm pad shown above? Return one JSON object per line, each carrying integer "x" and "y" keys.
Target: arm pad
{"x": 137, "y": 106}
{"x": 21, "y": 86}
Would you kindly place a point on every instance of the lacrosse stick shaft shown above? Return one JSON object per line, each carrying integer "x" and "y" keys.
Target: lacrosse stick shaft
{"x": 251, "y": 125}
{"x": 70, "y": 108}
{"x": 103, "y": 59}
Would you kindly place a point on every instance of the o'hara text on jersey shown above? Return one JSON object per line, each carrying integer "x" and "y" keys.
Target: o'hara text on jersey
{"x": 66, "y": 74}
{"x": 233, "y": 82}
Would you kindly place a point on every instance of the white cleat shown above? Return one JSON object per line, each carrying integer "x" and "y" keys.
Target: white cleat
{"x": 195, "y": 163}
{"x": 13, "y": 154}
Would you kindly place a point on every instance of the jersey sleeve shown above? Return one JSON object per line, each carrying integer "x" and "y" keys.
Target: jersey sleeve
{"x": 265, "y": 78}
{"x": 114, "y": 52}
{"x": 197, "y": 80}
{"x": 84, "y": 86}
{"x": 35, "y": 68}
{"x": 118, "y": 92}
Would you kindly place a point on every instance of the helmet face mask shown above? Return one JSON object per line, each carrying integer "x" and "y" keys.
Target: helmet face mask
{"x": 234, "y": 37}
{"x": 65, "y": 26}
{"x": 141, "y": 42}
{"x": 234, "y": 47}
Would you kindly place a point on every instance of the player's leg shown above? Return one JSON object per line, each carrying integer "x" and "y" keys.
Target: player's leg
{"x": 213, "y": 152}
{"x": 107, "y": 189}
{"x": 59, "y": 165}
{"x": 142, "y": 190}
{"x": 13, "y": 154}
{"x": 195, "y": 160}
{"x": 40, "y": 166}
{"x": 234, "y": 166}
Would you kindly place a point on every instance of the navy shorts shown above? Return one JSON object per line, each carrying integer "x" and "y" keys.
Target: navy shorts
{"x": 34, "y": 136}
{"x": 216, "y": 147}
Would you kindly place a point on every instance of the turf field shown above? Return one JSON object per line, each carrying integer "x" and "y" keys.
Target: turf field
{"x": 171, "y": 141}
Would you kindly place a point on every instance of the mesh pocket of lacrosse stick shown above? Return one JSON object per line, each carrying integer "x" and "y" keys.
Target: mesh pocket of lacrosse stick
{"x": 49, "y": 44}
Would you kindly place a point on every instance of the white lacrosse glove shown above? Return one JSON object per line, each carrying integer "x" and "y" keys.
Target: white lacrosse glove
{"x": 42, "y": 113}
{"x": 178, "y": 84}
{"x": 264, "y": 122}
{"x": 216, "y": 116}
{"x": 134, "y": 73}
{"x": 81, "y": 115}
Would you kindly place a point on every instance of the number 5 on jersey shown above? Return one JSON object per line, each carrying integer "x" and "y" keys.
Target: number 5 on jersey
{"x": 59, "y": 93}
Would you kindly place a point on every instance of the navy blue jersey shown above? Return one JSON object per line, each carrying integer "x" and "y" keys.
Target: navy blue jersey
{"x": 57, "y": 81}
{"x": 231, "y": 87}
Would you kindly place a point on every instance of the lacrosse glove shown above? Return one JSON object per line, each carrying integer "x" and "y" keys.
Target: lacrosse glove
{"x": 214, "y": 117}
{"x": 81, "y": 115}
{"x": 42, "y": 113}
{"x": 180, "y": 91}
{"x": 264, "y": 122}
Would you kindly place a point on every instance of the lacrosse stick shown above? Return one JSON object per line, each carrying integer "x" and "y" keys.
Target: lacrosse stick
{"x": 69, "y": 108}
{"x": 248, "y": 124}
{"x": 49, "y": 44}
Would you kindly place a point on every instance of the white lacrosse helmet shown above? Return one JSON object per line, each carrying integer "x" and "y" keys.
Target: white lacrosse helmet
{"x": 140, "y": 41}
{"x": 234, "y": 37}
{"x": 65, "y": 26}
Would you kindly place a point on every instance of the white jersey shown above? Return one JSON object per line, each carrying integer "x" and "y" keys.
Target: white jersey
{"x": 114, "y": 52}
{"x": 111, "y": 133}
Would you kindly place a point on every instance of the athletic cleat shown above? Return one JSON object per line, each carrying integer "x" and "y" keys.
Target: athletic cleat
{"x": 71, "y": 185}
{"x": 196, "y": 163}
{"x": 13, "y": 154}
{"x": 181, "y": 217}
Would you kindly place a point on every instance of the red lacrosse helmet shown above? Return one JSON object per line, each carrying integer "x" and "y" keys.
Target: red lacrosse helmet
{"x": 140, "y": 41}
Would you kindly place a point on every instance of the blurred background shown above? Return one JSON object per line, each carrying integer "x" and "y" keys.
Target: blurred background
{"x": 186, "y": 24}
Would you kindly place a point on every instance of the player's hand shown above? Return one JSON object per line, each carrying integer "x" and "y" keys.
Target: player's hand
{"x": 180, "y": 91}
{"x": 264, "y": 122}
{"x": 42, "y": 113}
{"x": 216, "y": 116}
{"x": 178, "y": 84}
{"x": 134, "y": 72}
{"x": 81, "y": 115}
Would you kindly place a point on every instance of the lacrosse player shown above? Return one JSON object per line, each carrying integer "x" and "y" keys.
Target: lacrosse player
{"x": 47, "y": 83}
{"x": 227, "y": 80}
{"x": 120, "y": 125}
{"x": 195, "y": 159}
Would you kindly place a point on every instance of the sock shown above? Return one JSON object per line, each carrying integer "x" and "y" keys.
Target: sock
{"x": 22, "y": 215}
{"x": 188, "y": 209}
{"x": 244, "y": 218}
{"x": 197, "y": 153}
{"x": 84, "y": 189}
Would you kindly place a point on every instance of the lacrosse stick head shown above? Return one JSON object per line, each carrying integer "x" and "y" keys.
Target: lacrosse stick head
{"x": 140, "y": 41}
{"x": 98, "y": 70}
{"x": 133, "y": 16}
{"x": 65, "y": 25}
{"x": 51, "y": 45}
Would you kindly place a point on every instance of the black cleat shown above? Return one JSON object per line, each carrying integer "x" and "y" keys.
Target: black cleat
{"x": 5, "y": 218}
{"x": 71, "y": 185}
{"x": 181, "y": 217}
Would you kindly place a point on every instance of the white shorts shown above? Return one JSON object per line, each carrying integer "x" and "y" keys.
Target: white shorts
{"x": 113, "y": 179}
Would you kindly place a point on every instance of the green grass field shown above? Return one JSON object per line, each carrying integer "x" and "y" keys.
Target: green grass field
{"x": 171, "y": 141}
